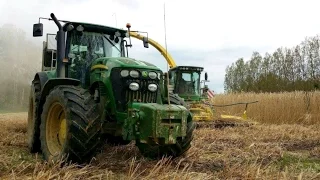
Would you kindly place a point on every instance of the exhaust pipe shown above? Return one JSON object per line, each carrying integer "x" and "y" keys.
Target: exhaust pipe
{"x": 61, "y": 67}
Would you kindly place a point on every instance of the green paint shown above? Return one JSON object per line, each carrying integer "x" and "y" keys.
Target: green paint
{"x": 51, "y": 74}
{"x": 163, "y": 123}
{"x": 140, "y": 118}
{"x": 144, "y": 73}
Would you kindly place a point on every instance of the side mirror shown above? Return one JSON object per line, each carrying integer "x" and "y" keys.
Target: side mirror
{"x": 206, "y": 76}
{"x": 145, "y": 42}
{"x": 37, "y": 30}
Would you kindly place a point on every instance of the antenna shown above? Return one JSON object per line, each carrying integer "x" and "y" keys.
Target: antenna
{"x": 165, "y": 40}
{"x": 115, "y": 18}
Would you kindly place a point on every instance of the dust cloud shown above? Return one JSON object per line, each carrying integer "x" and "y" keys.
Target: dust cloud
{"x": 20, "y": 59}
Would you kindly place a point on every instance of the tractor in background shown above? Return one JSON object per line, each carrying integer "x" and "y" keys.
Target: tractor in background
{"x": 90, "y": 92}
{"x": 185, "y": 82}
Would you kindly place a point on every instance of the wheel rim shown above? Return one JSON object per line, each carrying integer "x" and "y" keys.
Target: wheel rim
{"x": 56, "y": 129}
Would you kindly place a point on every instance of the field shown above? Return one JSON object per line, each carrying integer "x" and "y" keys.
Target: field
{"x": 284, "y": 145}
{"x": 274, "y": 108}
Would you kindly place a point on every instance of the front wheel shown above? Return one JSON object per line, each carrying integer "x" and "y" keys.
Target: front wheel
{"x": 70, "y": 125}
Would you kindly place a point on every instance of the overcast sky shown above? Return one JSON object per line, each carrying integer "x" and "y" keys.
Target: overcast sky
{"x": 207, "y": 33}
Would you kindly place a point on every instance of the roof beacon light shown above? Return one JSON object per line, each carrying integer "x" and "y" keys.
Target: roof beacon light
{"x": 80, "y": 28}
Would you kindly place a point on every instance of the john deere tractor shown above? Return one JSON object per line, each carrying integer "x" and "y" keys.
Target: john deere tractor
{"x": 90, "y": 92}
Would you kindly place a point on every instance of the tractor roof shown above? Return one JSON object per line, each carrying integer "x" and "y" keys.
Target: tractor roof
{"x": 96, "y": 28}
{"x": 188, "y": 68}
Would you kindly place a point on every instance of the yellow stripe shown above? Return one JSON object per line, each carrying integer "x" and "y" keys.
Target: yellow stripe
{"x": 99, "y": 66}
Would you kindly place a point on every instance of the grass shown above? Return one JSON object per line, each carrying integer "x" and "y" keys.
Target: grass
{"x": 7, "y": 110}
{"x": 269, "y": 151}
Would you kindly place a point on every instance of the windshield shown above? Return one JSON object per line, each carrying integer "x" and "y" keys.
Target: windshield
{"x": 94, "y": 45}
{"x": 189, "y": 83}
{"x": 88, "y": 46}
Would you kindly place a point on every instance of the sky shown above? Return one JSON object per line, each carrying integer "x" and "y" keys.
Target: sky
{"x": 207, "y": 33}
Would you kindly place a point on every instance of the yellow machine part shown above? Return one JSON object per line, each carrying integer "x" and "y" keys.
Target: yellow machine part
{"x": 200, "y": 111}
{"x": 203, "y": 112}
{"x": 56, "y": 128}
{"x": 156, "y": 45}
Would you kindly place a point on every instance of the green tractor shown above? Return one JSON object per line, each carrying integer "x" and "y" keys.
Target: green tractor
{"x": 185, "y": 82}
{"x": 90, "y": 92}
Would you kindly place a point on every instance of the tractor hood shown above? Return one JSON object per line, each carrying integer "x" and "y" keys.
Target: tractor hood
{"x": 111, "y": 62}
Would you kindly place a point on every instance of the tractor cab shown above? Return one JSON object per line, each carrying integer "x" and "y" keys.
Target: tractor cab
{"x": 84, "y": 43}
{"x": 186, "y": 82}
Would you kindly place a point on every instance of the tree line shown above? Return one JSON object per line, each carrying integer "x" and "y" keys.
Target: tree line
{"x": 286, "y": 69}
{"x": 19, "y": 60}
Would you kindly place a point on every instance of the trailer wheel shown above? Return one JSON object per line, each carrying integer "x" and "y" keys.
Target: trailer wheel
{"x": 70, "y": 125}
{"x": 33, "y": 118}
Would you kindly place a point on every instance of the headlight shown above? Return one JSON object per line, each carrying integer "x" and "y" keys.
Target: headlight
{"x": 152, "y": 87}
{"x": 124, "y": 73}
{"x": 134, "y": 73}
{"x": 153, "y": 75}
{"x": 134, "y": 86}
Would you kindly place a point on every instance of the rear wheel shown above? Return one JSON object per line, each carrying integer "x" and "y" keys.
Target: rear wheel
{"x": 33, "y": 118}
{"x": 70, "y": 125}
{"x": 175, "y": 99}
{"x": 174, "y": 150}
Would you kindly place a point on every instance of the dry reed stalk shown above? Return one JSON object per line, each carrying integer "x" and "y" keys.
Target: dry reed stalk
{"x": 274, "y": 108}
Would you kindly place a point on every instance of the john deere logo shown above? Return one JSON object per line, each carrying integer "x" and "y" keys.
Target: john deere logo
{"x": 144, "y": 73}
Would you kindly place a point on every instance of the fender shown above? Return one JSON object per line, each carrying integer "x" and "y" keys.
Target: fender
{"x": 42, "y": 77}
{"x": 50, "y": 84}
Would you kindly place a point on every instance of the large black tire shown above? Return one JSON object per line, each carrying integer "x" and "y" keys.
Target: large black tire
{"x": 33, "y": 118}
{"x": 175, "y": 99}
{"x": 156, "y": 151}
{"x": 82, "y": 125}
